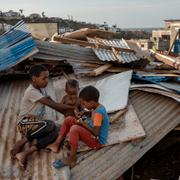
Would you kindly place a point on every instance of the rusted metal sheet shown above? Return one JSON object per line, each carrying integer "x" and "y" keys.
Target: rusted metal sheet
{"x": 157, "y": 114}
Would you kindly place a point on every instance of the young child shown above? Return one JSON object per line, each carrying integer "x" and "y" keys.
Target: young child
{"x": 32, "y": 121}
{"x": 93, "y": 133}
{"x": 71, "y": 97}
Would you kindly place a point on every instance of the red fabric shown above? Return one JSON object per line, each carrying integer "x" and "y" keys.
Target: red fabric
{"x": 77, "y": 132}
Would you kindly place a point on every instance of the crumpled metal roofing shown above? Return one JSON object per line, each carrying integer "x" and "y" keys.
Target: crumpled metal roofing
{"x": 15, "y": 46}
{"x": 158, "y": 115}
{"x": 119, "y": 43}
{"x": 108, "y": 55}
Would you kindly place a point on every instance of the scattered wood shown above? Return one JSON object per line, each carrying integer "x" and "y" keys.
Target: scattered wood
{"x": 173, "y": 41}
{"x": 174, "y": 62}
{"x": 118, "y": 114}
{"x": 177, "y": 128}
{"x": 100, "y": 70}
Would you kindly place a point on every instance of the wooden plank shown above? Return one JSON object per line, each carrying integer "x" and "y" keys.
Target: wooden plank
{"x": 177, "y": 128}
{"x": 174, "y": 62}
{"x": 100, "y": 70}
{"x": 115, "y": 53}
{"x": 117, "y": 115}
{"x": 173, "y": 41}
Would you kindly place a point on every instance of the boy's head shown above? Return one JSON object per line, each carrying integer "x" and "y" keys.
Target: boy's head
{"x": 39, "y": 75}
{"x": 72, "y": 87}
{"x": 89, "y": 97}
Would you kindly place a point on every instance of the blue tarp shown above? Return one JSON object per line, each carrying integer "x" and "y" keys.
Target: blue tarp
{"x": 177, "y": 46}
{"x": 137, "y": 77}
{"x": 15, "y": 46}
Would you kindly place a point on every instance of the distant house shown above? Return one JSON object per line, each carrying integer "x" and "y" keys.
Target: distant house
{"x": 11, "y": 13}
{"x": 164, "y": 37}
{"x": 171, "y": 22}
{"x": 144, "y": 44}
{"x": 161, "y": 39}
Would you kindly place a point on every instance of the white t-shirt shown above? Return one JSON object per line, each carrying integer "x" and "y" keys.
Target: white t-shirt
{"x": 30, "y": 104}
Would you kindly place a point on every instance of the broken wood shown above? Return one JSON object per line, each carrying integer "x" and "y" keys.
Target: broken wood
{"x": 174, "y": 62}
{"x": 118, "y": 115}
{"x": 65, "y": 75}
{"x": 100, "y": 70}
{"x": 173, "y": 41}
{"x": 115, "y": 53}
{"x": 177, "y": 128}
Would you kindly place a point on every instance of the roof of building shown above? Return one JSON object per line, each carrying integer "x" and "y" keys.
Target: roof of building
{"x": 172, "y": 20}
{"x": 158, "y": 115}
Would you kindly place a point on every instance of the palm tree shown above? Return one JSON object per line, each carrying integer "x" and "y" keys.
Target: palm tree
{"x": 21, "y": 12}
{"x": 43, "y": 14}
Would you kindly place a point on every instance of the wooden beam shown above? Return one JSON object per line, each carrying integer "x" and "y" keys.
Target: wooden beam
{"x": 167, "y": 60}
{"x": 115, "y": 53}
{"x": 173, "y": 41}
{"x": 100, "y": 70}
{"x": 118, "y": 115}
{"x": 87, "y": 44}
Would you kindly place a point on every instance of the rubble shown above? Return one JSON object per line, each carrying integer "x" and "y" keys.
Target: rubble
{"x": 139, "y": 88}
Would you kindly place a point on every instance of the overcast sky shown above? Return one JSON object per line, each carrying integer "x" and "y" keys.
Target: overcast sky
{"x": 124, "y": 13}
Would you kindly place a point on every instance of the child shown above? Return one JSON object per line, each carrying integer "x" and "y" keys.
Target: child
{"x": 71, "y": 97}
{"x": 93, "y": 133}
{"x": 32, "y": 123}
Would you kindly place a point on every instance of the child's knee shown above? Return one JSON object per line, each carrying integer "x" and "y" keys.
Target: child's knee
{"x": 69, "y": 119}
{"x": 74, "y": 128}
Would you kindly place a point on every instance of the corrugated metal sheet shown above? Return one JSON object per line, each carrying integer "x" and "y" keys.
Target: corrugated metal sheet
{"x": 120, "y": 43}
{"x": 157, "y": 114}
{"x": 108, "y": 55}
{"x": 15, "y": 46}
{"x": 65, "y": 51}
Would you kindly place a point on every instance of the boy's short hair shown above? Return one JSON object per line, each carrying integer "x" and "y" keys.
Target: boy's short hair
{"x": 36, "y": 70}
{"x": 72, "y": 83}
{"x": 89, "y": 93}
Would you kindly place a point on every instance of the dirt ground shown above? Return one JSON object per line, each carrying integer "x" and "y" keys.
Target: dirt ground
{"x": 161, "y": 163}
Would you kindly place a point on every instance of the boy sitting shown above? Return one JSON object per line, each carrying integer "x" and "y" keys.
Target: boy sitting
{"x": 93, "y": 133}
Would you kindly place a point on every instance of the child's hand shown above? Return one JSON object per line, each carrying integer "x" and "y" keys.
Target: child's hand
{"x": 77, "y": 113}
{"x": 79, "y": 121}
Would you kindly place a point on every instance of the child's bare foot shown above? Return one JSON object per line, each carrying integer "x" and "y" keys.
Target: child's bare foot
{"x": 54, "y": 147}
{"x": 16, "y": 149}
{"x": 69, "y": 162}
{"x": 21, "y": 160}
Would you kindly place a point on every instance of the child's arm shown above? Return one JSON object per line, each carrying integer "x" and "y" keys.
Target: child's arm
{"x": 94, "y": 130}
{"x": 54, "y": 105}
{"x": 63, "y": 100}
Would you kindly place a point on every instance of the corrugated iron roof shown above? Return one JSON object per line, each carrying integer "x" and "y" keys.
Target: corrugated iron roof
{"x": 120, "y": 43}
{"x": 15, "y": 46}
{"x": 157, "y": 114}
{"x": 108, "y": 55}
